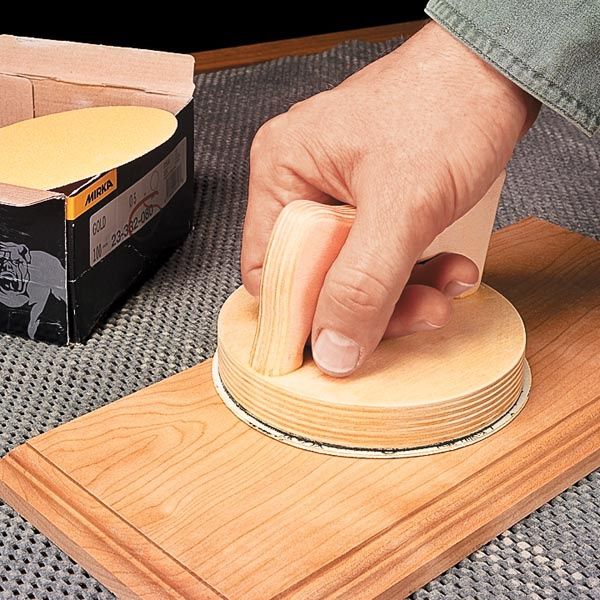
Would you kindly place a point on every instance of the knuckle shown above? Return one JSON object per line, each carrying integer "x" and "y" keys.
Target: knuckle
{"x": 274, "y": 141}
{"x": 300, "y": 106}
{"x": 357, "y": 293}
{"x": 260, "y": 137}
{"x": 313, "y": 105}
{"x": 267, "y": 135}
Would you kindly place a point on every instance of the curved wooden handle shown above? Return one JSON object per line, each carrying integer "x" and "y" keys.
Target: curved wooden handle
{"x": 306, "y": 239}
{"x": 304, "y": 243}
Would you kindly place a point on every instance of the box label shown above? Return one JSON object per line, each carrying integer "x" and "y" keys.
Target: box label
{"x": 134, "y": 208}
{"x": 91, "y": 195}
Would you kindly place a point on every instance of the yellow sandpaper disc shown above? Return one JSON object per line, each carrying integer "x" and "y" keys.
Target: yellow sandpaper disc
{"x": 55, "y": 150}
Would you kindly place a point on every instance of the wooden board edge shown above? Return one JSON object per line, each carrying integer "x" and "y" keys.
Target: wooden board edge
{"x": 53, "y": 503}
{"x": 236, "y": 56}
{"x": 382, "y": 561}
{"x": 13, "y": 476}
{"x": 486, "y": 534}
{"x": 535, "y": 222}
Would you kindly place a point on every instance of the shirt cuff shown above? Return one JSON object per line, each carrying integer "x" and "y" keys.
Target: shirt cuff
{"x": 509, "y": 37}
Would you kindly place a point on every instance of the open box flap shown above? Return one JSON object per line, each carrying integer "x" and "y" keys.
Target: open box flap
{"x": 89, "y": 64}
{"x": 13, "y": 195}
{"x": 16, "y": 99}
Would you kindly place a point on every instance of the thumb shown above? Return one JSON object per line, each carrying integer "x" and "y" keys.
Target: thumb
{"x": 362, "y": 287}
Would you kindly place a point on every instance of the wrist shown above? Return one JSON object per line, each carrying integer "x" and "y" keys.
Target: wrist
{"x": 513, "y": 106}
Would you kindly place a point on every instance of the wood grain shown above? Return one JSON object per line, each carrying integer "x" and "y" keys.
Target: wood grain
{"x": 420, "y": 391}
{"x": 165, "y": 494}
{"x": 305, "y": 241}
{"x": 213, "y": 60}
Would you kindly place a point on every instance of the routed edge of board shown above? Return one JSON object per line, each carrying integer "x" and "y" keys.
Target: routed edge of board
{"x": 338, "y": 450}
{"x": 92, "y": 533}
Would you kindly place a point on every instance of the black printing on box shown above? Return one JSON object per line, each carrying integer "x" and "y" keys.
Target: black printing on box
{"x": 113, "y": 246}
{"x": 52, "y": 286}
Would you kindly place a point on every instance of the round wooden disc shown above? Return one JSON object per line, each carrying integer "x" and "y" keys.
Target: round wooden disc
{"x": 355, "y": 452}
{"x": 423, "y": 390}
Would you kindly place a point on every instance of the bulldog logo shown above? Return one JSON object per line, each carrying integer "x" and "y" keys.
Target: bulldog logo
{"x": 27, "y": 278}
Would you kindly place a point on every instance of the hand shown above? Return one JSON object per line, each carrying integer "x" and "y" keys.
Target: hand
{"x": 413, "y": 140}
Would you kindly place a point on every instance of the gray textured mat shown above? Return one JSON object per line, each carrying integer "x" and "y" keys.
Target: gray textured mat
{"x": 170, "y": 325}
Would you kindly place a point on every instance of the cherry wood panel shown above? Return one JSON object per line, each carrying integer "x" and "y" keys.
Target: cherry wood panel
{"x": 165, "y": 494}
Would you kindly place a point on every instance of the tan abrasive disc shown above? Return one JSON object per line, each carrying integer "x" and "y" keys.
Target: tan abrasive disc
{"x": 52, "y": 151}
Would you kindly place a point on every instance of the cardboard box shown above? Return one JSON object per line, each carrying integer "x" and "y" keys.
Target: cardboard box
{"x": 67, "y": 255}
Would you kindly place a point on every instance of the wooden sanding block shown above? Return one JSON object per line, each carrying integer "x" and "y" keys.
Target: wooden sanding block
{"x": 420, "y": 394}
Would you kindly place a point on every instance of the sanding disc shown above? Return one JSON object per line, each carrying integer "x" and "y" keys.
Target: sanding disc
{"x": 52, "y": 151}
{"x": 420, "y": 394}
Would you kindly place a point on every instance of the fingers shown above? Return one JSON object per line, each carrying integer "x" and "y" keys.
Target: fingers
{"x": 271, "y": 187}
{"x": 452, "y": 274}
{"x": 420, "y": 308}
{"x": 424, "y": 304}
{"x": 360, "y": 291}
{"x": 364, "y": 297}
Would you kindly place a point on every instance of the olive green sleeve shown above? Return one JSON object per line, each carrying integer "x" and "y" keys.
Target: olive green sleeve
{"x": 550, "y": 49}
